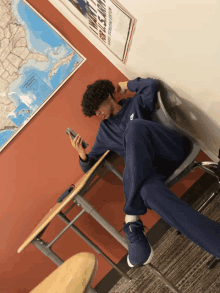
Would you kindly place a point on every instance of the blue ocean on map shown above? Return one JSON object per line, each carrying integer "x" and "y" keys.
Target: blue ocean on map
{"x": 34, "y": 85}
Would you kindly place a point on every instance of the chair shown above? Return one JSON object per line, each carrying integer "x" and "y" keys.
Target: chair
{"x": 74, "y": 276}
{"x": 162, "y": 117}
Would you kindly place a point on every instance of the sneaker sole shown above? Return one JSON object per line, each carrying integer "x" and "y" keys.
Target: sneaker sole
{"x": 147, "y": 262}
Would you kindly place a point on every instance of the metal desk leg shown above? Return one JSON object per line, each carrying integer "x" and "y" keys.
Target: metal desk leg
{"x": 42, "y": 246}
{"x": 96, "y": 248}
{"x": 112, "y": 169}
{"x": 90, "y": 210}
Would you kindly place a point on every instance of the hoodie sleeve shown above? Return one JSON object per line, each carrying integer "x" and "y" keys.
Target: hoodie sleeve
{"x": 146, "y": 90}
{"x": 95, "y": 154}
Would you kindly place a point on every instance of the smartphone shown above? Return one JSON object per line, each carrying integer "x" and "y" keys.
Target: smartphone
{"x": 69, "y": 130}
{"x": 67, "y": 192}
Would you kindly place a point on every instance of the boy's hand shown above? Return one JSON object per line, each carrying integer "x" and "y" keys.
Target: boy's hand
{"x": 121, "y": 87}
{"x": 77, "y": 143}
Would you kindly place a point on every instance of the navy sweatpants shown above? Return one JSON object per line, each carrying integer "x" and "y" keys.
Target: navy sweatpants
{"x": 153, "y": 152}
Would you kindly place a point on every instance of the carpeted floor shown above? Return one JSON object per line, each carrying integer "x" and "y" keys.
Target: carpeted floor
{"x": 181, "y": 261}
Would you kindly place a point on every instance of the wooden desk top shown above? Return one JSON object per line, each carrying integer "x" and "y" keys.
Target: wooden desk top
{"x": 59, "y": 206}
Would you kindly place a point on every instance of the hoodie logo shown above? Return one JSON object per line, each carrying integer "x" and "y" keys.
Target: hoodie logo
{"x": 132, "y": 116}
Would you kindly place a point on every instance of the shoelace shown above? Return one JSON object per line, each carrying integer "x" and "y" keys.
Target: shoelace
{"x": 129, "y": 227}
{"x": 138, "y": 231}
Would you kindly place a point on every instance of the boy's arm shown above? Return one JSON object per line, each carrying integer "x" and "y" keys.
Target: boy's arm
{"x": 146, "y": 90}
{"x": 142, "y": 84}
{"x": 98, "y": 149}
{"x": 94, "y": 155}
{"x": 121, "y": 87}
{"x": 83, "y": 156}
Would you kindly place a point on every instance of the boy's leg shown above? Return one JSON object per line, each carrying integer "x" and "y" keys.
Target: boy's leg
{"x": 146, "y": 144}
{"x": 131, "y": 218}
{"x": 140, "y": 155}
{"x": 139, "y": 250}
{"x": 180, "y": 215}
{"x": 150, "y": 150}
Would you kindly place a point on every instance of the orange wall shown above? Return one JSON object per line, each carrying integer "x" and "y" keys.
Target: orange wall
{"x": 40, "y": 163}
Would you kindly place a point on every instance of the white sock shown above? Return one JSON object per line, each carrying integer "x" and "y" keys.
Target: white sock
{"x": 131, "y": 218}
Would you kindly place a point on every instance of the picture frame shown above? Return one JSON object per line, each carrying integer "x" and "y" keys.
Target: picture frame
{"x": 108, "y": 20}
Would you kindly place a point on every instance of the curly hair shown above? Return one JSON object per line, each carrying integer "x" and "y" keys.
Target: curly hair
{"x": 95, "y": 94}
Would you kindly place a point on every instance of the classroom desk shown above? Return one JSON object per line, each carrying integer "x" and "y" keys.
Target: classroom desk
{"x": 77, "y": 195}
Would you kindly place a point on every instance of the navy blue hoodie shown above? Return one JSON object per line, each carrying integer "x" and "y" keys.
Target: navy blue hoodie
{"x": 111, "y": 130}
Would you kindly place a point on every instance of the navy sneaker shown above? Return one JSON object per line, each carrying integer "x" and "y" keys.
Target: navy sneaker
{"x": 140, "y": 251}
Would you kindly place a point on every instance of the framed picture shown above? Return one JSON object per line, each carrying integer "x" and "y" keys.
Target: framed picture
{"x": 35, "y": 61}
{"x": 108, "y": 20}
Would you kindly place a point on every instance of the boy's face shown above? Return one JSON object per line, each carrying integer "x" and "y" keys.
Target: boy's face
{"x": 105, "y": 110}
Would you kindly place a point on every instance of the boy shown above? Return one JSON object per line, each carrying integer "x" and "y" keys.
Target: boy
{"x": 151, "y": 152}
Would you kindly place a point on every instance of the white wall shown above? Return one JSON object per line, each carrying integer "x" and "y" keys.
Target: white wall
{"x": 176, "y": 41}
